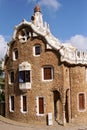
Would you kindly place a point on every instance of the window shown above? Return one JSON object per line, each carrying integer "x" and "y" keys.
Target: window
{"x": 11, "y": 77}
{"x": 15, "y": 54}
{"x": 47, "y": 73}
{"x": 12, "y": 103}
{"x": 37, "y": 50}
{"x": 40, "y": 106}
{"x": 81, "y": 101}
{"x": 23, "y": 103}
{"x": 78, "y": 54}
{"x": 24, "y": 76}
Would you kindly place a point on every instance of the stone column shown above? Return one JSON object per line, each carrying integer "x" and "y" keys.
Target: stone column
{"x": 63, "y": 103}
{"x": 64, "y": 120}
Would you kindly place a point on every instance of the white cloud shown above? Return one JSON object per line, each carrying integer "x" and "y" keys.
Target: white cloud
{"x": 3, "y": 47}
{"x": 30, "y": 1}
{"x": 79, "y": 41}
{"x": 51, "y": 4}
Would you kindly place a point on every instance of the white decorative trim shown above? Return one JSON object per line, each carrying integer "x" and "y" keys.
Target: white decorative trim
{"x": 68, "y": 53}
{"x": 24, "y": 66}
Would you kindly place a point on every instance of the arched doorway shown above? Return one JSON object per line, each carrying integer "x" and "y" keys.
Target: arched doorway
{"x": 57, "y": 106}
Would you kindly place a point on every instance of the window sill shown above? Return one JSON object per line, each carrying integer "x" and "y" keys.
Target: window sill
{"x": 40, "y": 114}
{"x": 11, "y": 111}
{"x": 82, "y": 110}
{"x": 23, "y": 112}
{"x": 50, "y": 80}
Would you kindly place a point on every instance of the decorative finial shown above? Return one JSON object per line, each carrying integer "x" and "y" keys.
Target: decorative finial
{"x": 37, "y": 9}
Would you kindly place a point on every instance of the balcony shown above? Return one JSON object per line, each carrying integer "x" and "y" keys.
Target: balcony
{"x": 24, "y": 86}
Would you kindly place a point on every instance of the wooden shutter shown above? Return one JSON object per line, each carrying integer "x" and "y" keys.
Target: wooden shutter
{"x": 81, "y": 101}
{"x": 47, "y": 73}
{"x": 24, "y": 103}
{"x": 41, "y": 105}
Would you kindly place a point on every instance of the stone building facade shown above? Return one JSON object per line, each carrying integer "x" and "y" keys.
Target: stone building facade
{"x": 44, "y": 76}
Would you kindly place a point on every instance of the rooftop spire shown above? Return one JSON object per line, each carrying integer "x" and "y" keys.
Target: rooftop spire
{"x": 37, "y": 9}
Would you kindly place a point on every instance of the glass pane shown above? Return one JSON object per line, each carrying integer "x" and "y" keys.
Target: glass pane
{"x": 12, "y": 77}
{"x": 24, "y": 103}
{"x": 37, "y": 50}
{"x": 12, "y": 103}
{"x": 27, "y": 76}
{"x": 21, "y": 76}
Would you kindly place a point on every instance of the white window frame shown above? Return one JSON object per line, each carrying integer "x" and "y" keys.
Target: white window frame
{"x": 37, "y": 106}
{"x": 34, "y": 50}
{"x": 83, "y": 110}
{"x": 10, "y": 77}
{"x": 21, "y": 99}
{"x": 10, "y": 105}
{"x": 14, "y": 57}
{"x": 46, "y": 80}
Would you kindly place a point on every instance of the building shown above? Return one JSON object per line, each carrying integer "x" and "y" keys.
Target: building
{"x": 43, "y": 76}
{"x": 2, "y": 91}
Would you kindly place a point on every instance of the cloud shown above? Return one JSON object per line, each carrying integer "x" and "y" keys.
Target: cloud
{"x": 79, "y": 41}
{"x": 53, "y": 4}
{"x": 31, "y": 1}
{"x": 3, "y": 47}
{"x": 50, "y": 4}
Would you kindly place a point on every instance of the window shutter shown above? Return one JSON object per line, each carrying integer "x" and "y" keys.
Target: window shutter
{"x": 47, "y": 73}
{"x": 41, "y": 105}
{"x": 81, "y": 101}
{"x": 24, "y": 103}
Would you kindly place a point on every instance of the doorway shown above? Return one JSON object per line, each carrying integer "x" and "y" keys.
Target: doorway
{"x": 57, "y": 106}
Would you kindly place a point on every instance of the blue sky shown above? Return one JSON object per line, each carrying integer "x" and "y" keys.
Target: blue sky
{"x": 67, "y": 19}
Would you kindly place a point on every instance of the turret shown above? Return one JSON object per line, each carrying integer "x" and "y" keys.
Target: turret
{"x": 37, "y": 19}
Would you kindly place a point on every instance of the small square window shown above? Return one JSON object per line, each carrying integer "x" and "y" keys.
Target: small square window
{"x": 37, "y": 50}
{"x": 47, "y": 73}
